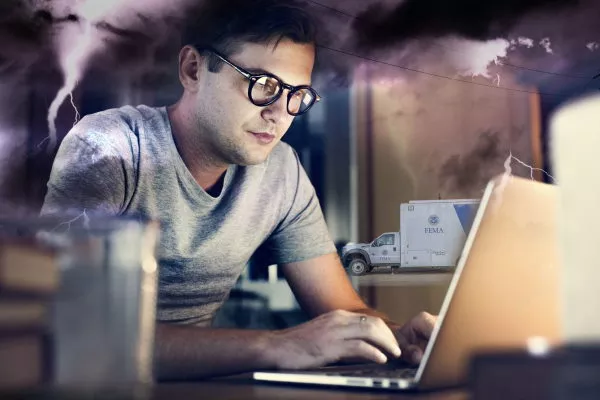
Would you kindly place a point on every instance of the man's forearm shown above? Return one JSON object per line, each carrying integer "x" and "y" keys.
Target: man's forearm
{"x": 185, "y": 352}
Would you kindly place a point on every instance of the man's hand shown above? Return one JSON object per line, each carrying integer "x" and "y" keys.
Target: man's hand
{"x": 184, "y": 352}
{"x": 332, "y": 337}
{"x": 414, "y": 335}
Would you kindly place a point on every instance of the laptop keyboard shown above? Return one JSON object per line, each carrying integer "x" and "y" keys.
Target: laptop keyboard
{"x": 375, "y": 372}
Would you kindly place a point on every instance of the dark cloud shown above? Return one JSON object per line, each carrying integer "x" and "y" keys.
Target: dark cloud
{"x": 23, "y": 35}
{"x": 460, "y": 173}
{"x": 381, "y": 25}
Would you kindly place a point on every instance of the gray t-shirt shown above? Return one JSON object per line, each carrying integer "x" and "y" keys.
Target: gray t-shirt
{"x": 124, "y": 162}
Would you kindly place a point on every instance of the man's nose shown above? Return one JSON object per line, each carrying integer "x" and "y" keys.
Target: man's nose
{"x": 277, "y": 111}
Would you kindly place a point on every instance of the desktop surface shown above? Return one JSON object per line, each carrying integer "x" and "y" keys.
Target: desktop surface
{"x": 244, "y": 388}
{"x": 241, "y": 387}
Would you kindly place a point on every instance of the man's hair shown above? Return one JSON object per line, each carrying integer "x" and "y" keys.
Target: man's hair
{"x": 225, "y": 25}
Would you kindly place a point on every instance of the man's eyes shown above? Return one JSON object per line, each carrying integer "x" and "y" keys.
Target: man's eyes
{"x": 267, "y": 87}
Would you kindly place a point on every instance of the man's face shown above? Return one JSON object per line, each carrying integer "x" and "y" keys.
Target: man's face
{"x": 237, "y": 131}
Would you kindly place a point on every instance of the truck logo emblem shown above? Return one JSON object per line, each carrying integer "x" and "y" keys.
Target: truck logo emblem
{"x": 434, "y": 220}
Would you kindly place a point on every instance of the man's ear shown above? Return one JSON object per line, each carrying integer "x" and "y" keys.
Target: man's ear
{"x": 191, "y": 65}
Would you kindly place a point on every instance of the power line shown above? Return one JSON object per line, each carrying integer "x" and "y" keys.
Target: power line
{"x": 332, "y": 9}
{"x": 434, "y": 74}
{"x": 545, "y": 72}
{"x": 449, "y": 48}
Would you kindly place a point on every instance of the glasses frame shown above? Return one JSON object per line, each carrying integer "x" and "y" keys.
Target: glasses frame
{"x": 253, "y": 78}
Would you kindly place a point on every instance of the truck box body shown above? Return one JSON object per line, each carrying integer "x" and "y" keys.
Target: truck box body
{"x": 433, "y": 232}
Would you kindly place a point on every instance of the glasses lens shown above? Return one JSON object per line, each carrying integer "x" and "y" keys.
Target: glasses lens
{"x": 265, "y": 89}
{"x": 301, "y": 100}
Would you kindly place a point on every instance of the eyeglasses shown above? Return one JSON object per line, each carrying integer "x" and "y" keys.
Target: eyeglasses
{"x": 265, "y": 89}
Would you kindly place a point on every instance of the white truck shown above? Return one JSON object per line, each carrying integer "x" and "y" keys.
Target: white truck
{"x": 432, "y": 234}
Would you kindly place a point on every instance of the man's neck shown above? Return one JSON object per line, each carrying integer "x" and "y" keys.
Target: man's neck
{"x": 207, "y": 172}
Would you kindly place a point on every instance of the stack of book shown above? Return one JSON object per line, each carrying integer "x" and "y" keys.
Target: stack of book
{"x": 29, "y": 278}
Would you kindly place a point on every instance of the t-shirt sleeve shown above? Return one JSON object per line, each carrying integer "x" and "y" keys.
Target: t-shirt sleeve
{"x": 88, "y": 175}
{"x": 302, "y": 234}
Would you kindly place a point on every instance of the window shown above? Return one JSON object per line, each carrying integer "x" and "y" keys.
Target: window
{"x": 384, "y": 240}
{"x": 387, "y": 240}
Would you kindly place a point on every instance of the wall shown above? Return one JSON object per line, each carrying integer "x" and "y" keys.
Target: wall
{"x": 420, "y": 138}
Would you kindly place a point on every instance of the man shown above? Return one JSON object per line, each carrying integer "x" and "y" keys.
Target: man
{"x": 212, "y": 170}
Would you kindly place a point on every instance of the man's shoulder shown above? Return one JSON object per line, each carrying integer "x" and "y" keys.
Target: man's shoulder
{"x": 283, "y": 158}
{"x": 115, "y": 128}
{"x": 122, "y": 118}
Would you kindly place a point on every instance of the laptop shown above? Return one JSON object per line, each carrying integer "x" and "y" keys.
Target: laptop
{"x": 504, "y": 295}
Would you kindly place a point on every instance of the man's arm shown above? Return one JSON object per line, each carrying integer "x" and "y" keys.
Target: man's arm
{"x": 321, "y": 285}
{"x": 336, "y": 334}
{"x": 185, "y": 352}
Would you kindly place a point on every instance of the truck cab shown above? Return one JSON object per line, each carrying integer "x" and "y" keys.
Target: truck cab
{"x": 383, "y": 251}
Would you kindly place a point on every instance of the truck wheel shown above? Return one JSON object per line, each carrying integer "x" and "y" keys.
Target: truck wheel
{"x": 358, "y": 266}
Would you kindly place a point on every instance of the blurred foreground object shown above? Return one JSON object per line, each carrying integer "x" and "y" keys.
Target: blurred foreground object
{"x": 562, "y": 374}
{"x": 29, "y": 278}
{"x": 103, "y": 312}
{"x": 575, "y": 147}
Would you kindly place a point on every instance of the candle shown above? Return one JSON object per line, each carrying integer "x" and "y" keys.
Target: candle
{"x": 575, "y": 150}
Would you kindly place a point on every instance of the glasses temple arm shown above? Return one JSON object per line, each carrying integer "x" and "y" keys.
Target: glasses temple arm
{"x": 238, "y": 69}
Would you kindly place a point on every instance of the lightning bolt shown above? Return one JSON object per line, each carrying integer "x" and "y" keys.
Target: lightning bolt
{"x": 505, "y": 177}
{"x": 74, "y": 108}
{"x": 86, "y": 222}
{"x": 508, "y": 174}
{"x": 532, "y": 169}
{"x": 72, "y": 65}
{"x": 77, "y": 116}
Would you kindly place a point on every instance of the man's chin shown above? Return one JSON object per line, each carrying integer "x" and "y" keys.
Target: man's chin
{"x": 252, "y": 159}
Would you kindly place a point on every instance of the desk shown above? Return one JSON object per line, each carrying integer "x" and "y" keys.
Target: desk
{"x": 238, "y": 387}
{"x": 231, "y": 389}
{"x": 244, "y": 388}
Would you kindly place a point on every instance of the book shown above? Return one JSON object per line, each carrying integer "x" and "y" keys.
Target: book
{"x": 24, "y": 360}
{"x": 26, "y": 268}
{"x": 21, "y": 313}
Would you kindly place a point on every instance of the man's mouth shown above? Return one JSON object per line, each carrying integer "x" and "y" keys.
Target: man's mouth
{"x": 263, "y": 137}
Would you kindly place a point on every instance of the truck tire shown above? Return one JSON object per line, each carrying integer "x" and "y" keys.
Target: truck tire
{"x": 358, "y": 266}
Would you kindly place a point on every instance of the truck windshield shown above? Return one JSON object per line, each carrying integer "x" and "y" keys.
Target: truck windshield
{"x": 387, "y": 239}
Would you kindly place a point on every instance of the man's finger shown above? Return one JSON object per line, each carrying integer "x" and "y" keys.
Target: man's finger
{"x": 424, "y": 324}
{"x": 414, "y": 354}
{"x": 360, "y": 349}
{"x": 385, "y": 329}
{"x": 370, "y": 330}
{"x": 401, "y": 339}
{"x": 411, "y": 352}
